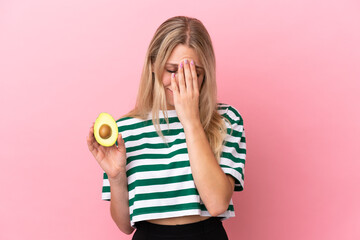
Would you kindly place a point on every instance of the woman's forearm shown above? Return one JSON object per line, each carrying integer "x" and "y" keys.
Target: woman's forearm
{"x": 119, "y": 205}
{"x": 212, "y": 183}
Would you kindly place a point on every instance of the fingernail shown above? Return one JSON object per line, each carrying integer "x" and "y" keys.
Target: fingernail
{"x": 186, "y": 61}
{"x": 181, "y": 65}
{"x": 192, "y": 62}
{"x": 173, "y": 75}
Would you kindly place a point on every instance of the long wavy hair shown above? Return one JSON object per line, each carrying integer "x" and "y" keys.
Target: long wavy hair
{"x": 151, "y": 94}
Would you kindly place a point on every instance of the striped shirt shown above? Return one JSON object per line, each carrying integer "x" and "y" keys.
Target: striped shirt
{"x": 160, "y": 182}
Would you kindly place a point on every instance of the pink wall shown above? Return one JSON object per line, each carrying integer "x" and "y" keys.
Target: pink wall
{"x": 290, "y": 67}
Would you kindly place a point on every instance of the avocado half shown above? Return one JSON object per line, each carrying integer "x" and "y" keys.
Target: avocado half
{"x": 105, "y": 130}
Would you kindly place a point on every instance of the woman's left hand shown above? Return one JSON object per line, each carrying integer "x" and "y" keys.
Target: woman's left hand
{"x": 186, "y": 95}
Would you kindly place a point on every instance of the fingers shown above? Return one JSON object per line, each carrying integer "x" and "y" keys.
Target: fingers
{"x": 174, "y": 86}
{"x": 91, "y": 134}
{"x": 121, "y": 142}
{"x": 188, "y": 76}
{"x": 91, "y": 142}
{"x": 194, "y": 76}
{"x": 182, "y": 86}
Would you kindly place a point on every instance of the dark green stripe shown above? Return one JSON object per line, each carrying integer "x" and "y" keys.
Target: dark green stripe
{"x": 154, "y": 181}
{"x": 153, "y": 134}
{"x": 106, "y": 189}
{"x": 232, "y": 121}
{"x": 158, "y": 181}
{"x": 157, "y": 156}
{"x": 162, "y": 209}
{"x": 238, "y": 169}
{"x": 239, "y": 121}
{"x": 230, "y": 156}
{"x": 236, "y": 113}
{"x": 161, "y": 195}
{"x": 236, "y": 146}
{"x": 238, "y": 188}
{"x": 155, "y": 145}
{"x": 231, "y": 207}
{"x": 234, "y": 133}
{"x": 202, "y": 207}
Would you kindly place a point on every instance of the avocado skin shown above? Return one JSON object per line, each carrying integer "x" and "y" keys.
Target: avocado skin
{"x": 105, "y": 118}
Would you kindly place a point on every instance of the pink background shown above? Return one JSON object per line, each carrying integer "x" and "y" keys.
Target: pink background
{"x": 290, "y": 67}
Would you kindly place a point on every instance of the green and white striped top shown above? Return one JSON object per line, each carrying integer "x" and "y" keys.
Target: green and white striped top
{"x": 160, "y": 182}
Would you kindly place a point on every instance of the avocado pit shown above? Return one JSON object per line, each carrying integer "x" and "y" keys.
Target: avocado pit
{"x": 105, "y": 131}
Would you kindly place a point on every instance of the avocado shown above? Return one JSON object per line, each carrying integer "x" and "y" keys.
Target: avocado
{"x": 105, "y": 130}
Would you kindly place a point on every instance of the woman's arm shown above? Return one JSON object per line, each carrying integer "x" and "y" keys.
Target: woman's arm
{"x": 214, "y": 186}
{"x": 113, "y": 161}
{"x": 119, "y": 205}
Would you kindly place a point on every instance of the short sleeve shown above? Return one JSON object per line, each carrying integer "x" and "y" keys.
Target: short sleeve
{"x": 233, "y": 156}
{"x": 105, "y": 188}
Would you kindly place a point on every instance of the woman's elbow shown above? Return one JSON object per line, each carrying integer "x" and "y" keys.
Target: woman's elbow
{"x": 125, "y": 228}
{"x": 128, "y": 231}
{"x": 218, "y": 209}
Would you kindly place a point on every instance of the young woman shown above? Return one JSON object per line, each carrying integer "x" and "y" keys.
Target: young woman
{"x": 180, "y": 154}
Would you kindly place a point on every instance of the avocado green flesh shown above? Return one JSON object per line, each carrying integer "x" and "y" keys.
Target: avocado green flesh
{"x": 105, "y": 130}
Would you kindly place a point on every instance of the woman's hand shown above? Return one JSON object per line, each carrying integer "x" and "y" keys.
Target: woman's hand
{"x": 186, "y": 95}
{"x": 111, "y": 159}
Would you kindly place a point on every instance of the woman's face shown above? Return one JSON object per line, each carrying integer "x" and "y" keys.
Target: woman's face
{"x": 178, "y": 55}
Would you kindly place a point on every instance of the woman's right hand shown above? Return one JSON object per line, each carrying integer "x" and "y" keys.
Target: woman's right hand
{"x": 111, "y": 159}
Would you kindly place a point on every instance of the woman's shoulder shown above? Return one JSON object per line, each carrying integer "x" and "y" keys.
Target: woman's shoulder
{"x": 229, "y": 111}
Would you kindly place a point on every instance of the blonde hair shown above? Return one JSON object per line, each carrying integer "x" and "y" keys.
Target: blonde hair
{"x": 151, "y": 94}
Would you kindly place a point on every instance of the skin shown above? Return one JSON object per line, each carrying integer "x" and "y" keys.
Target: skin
{"x": 214, "y": 186}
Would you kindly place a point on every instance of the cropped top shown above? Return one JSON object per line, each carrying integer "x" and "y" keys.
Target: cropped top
{"x": 160, "y": 182}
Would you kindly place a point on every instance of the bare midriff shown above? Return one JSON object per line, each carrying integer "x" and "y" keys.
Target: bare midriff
{"x": 179, "y": 220}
